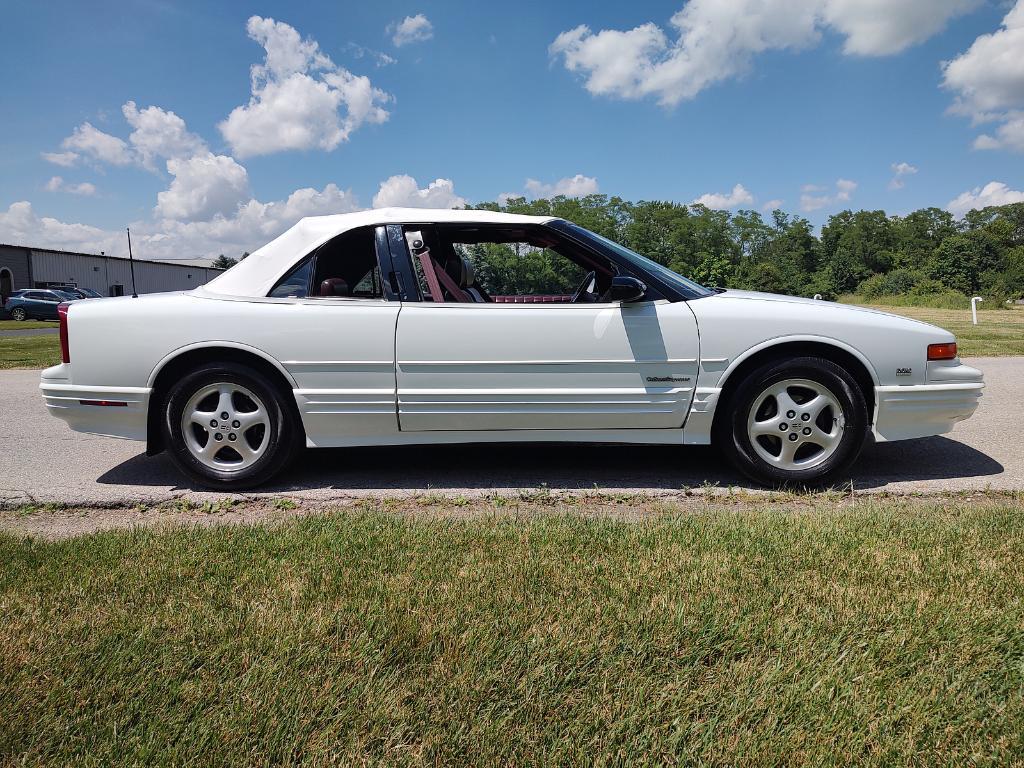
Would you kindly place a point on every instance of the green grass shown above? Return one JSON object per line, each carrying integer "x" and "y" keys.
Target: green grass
{"x": 29, "y": 351}
{"x": 25, "y": 325}
{"x": 996, "y": 334}
{"x": 868, "y": 633}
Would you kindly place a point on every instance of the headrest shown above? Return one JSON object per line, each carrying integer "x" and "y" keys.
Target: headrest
{"x": 334, "y": 286}
{"x": 461, "y": 271}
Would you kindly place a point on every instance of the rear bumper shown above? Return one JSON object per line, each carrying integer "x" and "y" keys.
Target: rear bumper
{"x": 922, "y": 410}
{"x": 125, "y": 415}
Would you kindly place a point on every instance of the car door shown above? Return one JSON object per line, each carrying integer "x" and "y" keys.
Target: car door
{"x": 543, "y": 365}
{"x": 43, "y": 304}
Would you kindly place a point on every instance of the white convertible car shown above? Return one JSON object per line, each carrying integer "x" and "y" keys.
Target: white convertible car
{"x": 394, "y": 326}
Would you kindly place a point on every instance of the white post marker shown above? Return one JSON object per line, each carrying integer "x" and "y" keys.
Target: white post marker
{"x": 974, "y": 308}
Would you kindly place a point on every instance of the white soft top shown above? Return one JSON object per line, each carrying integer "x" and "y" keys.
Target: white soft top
{"x": 260, "y": 271}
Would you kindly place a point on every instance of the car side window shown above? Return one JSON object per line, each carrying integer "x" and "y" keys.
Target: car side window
{"x": 343, "y": 267}
{"x": 295, "y": 285}
{"x": 507, "y": 265}
{"x": 346, "y": 266}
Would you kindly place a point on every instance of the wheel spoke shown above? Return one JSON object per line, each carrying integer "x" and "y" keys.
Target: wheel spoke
{"x": 768, "y": 427}
{"x": 785, "y": 457}
{"x": 245, "y": 451}
{"x": 202, "y": 418}
{"x": 783, "y": 399}
{"x": 819, "y": 403}
{"x": 224, "y": 402}
{"x": 826, "y": 440}
{"x": 250, "y": 419}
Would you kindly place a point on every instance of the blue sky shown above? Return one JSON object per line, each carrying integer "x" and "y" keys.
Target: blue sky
{"x": 808, "y": 102}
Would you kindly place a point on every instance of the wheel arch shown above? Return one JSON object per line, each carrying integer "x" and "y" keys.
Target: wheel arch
{"x": 838, "y": 352}
{"x": 185, "y": 358}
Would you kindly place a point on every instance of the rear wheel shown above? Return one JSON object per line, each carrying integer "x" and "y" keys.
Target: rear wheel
{"x": 228, "y": 427}
{"x": 794, "y": 422}
{"x": 18, "y": 313}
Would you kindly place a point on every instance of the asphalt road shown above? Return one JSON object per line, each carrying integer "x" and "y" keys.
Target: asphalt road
{"x": 41, "y": 460}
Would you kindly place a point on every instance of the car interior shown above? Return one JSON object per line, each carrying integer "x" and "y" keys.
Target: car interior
{"x": 443, "y": 257}
{"x": 347, "y": 266}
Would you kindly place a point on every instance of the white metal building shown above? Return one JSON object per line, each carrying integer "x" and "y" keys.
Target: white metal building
{"x": 27, "y": 267}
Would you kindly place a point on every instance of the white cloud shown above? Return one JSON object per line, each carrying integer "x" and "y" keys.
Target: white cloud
{"x": 1008, "y": 135}
{"x": 380, "y": 58}
{"x": 571, "y": 186}
{"x": 57, "y": 184}
{"x": 159, "y": 133}
{"x": 900, "y": 170}
{"x": 772, "y": 205}
{"x": 19, "y": 224}
{"x": 715, "y": 40}
{"x": 718, "y": 201}
{"x": 156, "y": 133}
{"x": 884, "y": 27}
{"x": 411, "y": 29}
{"x": 988, "y": 83}
{"x": 993, "y": 193}
{"x": 65, "y": 159}
{"x": 203, "y": 186}
{"x": 815, "y": 197}
{"x": 248, "y": 227}
{"x": 90, "y": 141}
{"x": 251, "y": 225}
{"x": 300, "y": 98}
{"x": 403, "y": 192}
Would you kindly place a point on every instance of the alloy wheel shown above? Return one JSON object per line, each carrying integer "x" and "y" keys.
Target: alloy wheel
{"x": 795, "y": 424}
{"x": 225, "y": 427}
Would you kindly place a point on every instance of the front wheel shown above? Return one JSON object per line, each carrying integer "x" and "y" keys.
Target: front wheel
{"x": 794, "y": 422}
{"x": 18, "y": 313}
{"x": 228, "y": 427}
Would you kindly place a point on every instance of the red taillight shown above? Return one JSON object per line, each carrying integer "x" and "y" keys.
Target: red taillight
{"x": 942, "y": 351}
{"x": 62, "y": 315}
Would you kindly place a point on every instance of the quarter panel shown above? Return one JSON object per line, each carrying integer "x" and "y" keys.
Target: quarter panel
{"x": 338, "y": 353}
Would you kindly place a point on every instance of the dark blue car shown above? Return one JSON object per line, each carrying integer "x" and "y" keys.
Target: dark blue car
{"x": 36, "y": 303}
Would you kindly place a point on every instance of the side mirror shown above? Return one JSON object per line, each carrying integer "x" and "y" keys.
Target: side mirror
{"x": 625, "y": 288}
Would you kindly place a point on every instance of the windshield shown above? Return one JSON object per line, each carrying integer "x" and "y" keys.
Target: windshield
{"x": 675, "y": 280}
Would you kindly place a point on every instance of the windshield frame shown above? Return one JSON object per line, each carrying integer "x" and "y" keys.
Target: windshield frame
{"x": 668, "y": 282}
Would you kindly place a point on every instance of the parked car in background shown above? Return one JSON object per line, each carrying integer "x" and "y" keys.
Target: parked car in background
{"x": 396, "y": 326}
{"x": 80, "y": 293}
{"x": 36, "y": 303}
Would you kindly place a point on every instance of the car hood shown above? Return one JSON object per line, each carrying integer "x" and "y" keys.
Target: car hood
{"x": 824, "y": 306}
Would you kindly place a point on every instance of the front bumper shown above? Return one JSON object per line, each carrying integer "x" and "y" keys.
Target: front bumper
{"x": 124, "y": 415}
{"x": 922, "y": 410}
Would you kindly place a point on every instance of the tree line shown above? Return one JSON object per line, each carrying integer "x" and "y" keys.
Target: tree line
{"x": 927, "y": 253}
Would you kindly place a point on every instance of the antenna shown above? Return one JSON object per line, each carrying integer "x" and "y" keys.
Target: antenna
{"x": 131, "y": 262}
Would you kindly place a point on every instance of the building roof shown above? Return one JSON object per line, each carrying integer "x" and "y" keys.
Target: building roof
{"x": 260, "y": 271}
{"x": 194, "y": 263}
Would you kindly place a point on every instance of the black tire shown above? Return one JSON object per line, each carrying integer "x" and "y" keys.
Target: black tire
{"x": 731, "y": 435}
{"x": 19, "y": 314}
{"x": 284, "y": 435}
